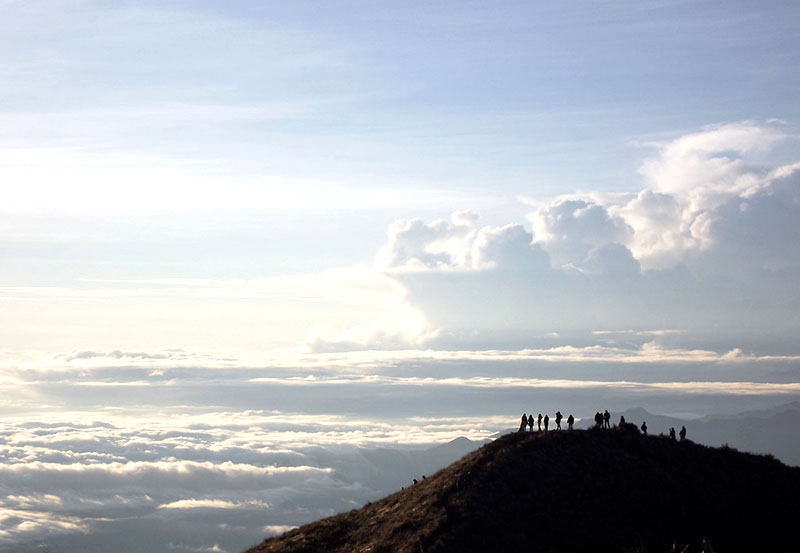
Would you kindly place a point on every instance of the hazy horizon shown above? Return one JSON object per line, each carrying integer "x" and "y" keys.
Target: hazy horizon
{"x": 240, "y": 240}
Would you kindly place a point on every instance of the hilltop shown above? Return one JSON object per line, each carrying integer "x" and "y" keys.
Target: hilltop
{"x": 581, "y": 491}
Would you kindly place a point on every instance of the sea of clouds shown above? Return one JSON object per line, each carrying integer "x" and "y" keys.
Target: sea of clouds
{"x": 151, "y": 452}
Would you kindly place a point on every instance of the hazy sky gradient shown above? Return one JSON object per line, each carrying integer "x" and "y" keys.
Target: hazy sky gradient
{"x": 366, "y": 224}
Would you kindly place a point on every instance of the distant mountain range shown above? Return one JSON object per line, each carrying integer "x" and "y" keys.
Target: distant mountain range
{"x": 582, "y": 491}
{"x": 775, "y": 431}
{"x": 387, "y": 469}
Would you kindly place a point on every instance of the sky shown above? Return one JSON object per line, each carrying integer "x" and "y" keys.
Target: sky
{"x": 239, "y": 232}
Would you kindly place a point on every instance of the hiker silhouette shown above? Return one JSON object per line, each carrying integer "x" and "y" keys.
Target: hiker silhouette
{"x": 672, "y": 433}
{"x": 598, "y": 419}
{"x": 539, "y": 422}
{"x": 644, "y": 428}
{"x": 606, "y": 419}
{"x": 546, "y": 422}
{"x": 622, "y": 420}
{"x": 524, "y": 423}
{"x": 530, "y": 422}
{"x": 559, "y": 416}
{"x": 682, "y": 433}
{"x": 570, "y": 421}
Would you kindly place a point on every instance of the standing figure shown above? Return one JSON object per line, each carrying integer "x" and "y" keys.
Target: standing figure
{"x": 606, "y": 419}
{"x": 530, "y": 422}
{"x": 524, "y": 422}
{"x": 672, "y": 432}
{"x": 546, "y": 422}
{"x": 622, "y": 420}
{"x": 682, "y": 433}
{"x": 598, "y": 419}
{"x": 559, "y": 416}
{"x": 644, "y": 428}
{"x": 570, "y": 421}
{"x": 539, "y": 422}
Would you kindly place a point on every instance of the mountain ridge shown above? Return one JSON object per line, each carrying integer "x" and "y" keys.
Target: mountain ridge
{"x": 584, "y": 490}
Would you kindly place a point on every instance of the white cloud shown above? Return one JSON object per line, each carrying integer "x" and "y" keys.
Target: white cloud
{"x": 710, "y": 224}
{"x": 507, "y": 248}
{"x": 441, "y": 244}
{"x": 706, "y": 168}
{"x": 214, "y": 504}
{"x": 217, "y": 457}
{"x": 569, "y": 229}
{"x": 687, "y": 184}
{"x": 18, "y": 525}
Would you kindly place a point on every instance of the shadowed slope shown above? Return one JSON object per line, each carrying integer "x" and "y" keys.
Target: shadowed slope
{"x": 571, "y": 492}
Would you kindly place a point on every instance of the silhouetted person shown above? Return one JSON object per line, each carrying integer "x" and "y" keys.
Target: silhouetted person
{"x": 644, "y": 428}
{"x": 539, "y": 422}
{"x": 672, "y": 433}
{"x": 524, "y": 422}
{"x": 682, "y": 433}
{"x": 530, "y": 422}
{"x": 546, "y": 422}
{"x": 622, "y": 420}
{"x": 570, "y": 421}
{"x": 598, "y": 419}
{"x": 606, "y": 419}
{"x": 559, "y": 416}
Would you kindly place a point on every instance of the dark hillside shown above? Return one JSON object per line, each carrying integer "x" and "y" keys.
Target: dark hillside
{"x": 580, "y": 491}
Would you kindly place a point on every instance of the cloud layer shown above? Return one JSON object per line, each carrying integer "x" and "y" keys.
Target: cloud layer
{"x": 207, "y": 451}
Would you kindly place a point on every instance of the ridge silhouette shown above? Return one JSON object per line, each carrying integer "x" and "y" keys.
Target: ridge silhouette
{"x": 581, "y": 491}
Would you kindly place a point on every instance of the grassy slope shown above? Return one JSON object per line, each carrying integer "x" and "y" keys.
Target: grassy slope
{"x": 571, "y": 492}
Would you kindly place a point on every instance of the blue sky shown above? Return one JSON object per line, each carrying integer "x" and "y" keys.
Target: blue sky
{"x": 461, "y": 98}
{"x": 242, "y": 141}
{"x": 351, "y": 224}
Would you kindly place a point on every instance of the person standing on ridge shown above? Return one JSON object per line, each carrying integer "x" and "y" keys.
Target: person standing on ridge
{"x": 682, "y": 433}
{"x": 672, "y": 432}
{"x": 598, "y": 419}
{"x": 559, "y": 416}
{"x": 530, "y": 422}
{"x": 524, "y": 422}
{"x": 570, "y": 421}
{"x": 644, "y": 428}
{"x": 606, "y": 419}
{"x": 546, "y": 422}
{"x": 539, "y": 422}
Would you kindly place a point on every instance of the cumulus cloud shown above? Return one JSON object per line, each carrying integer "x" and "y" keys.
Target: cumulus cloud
{"x": 677, "y": 216}
{"x": 414, "y": 244}
{"x": 507, "y": 248}
{"x": 706, "y": 168}
{"x": 709, "y": 242}
{"x": 689, "y": 183}
{"x": 569, "y": 229}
